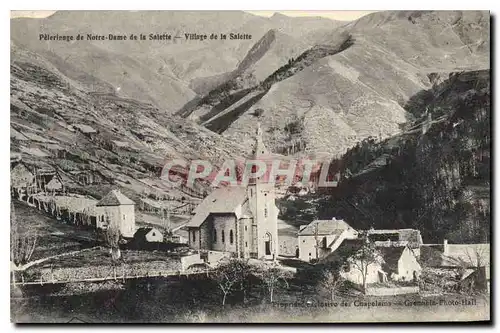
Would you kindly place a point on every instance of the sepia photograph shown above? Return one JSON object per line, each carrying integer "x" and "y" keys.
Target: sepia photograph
{"x": 224, "y": 166}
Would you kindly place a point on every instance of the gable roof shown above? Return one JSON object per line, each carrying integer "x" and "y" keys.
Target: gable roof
{"x": 411, "y": 236}
{"x": 54, "y": 184}
{"x": 20, "y": 176}
{"x": 345, "y": 250}
{"x": 115, "y": 198}
{"x": 222, "y": 200}
{"x": 467, "y": 254}
{"x": 324, "y": 227}
{"x": 457, "y": 255}
{"x": 391, "y": 256}
{"x": 142, "y": 232}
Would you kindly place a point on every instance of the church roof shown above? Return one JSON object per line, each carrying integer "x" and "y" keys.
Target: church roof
{"x": 324, "y": 227}
{"x": 115, "y": 198}
{"x": 222, "y": 200}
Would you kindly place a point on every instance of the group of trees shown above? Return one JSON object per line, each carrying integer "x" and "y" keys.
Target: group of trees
{"x": 240, "y": 276}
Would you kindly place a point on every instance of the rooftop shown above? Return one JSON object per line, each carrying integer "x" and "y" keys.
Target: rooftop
{"x": 222, "y": 200}
{"x": 115, "y": 198}
{"x": 324, "y": 227}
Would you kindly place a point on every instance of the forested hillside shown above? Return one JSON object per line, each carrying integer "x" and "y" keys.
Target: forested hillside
{"x": 435, "y": 177}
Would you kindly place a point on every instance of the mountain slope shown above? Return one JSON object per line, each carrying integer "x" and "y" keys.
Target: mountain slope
{"x": 361, "y": 91}
{"x": 131, "y": 143}
{"x": 158, "y": 72}
{"x": 434, "y": 177}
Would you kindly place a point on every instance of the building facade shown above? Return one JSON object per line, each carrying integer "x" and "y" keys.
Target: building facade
{"x": 115, "y": 209}
{"x": 321, "y": 237}
{"x": 237, "y": 219}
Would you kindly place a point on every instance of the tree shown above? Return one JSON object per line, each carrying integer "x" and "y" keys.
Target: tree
{"x": 331, "y": 283}
{"x": 23, "y": 240}
{"x": 167, "y": 225}
{"x": 273, "y": 276}
{"x": 112, "y": 240}
{"x": 231, "y": 274}
{"x": 364, "y": 257}
{"x": 317, "y": 240}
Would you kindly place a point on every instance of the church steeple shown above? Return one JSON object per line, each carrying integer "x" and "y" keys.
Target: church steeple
{"x": 260, "y": 149}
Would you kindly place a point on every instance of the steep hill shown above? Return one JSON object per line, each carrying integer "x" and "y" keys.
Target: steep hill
{"x": 435, "y": 177}
{"x": 57, "y": 124}
{"x": 355, "y": 92}
{"x": 165, "y": 73}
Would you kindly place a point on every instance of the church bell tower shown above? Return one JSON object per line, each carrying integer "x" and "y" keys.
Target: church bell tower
{"x": 261, "y": 196}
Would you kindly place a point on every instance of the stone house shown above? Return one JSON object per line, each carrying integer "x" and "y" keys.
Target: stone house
{"x": 115, "y": 209}
{"x": 148, "y": 235}
{"x": 321, "y": 237}
{"x": 396, "y": 263}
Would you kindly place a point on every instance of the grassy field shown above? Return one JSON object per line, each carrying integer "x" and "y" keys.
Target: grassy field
{"x": 138, "y": 306}
{"x": 54, "y": 237}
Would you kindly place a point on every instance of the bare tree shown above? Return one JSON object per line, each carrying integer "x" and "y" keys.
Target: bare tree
{"x": 112, "y": 240}
{"x": 231, "y": 275}
{"x": 167, "y": 224}
{"x": 317, "y": 240}
{"x": 330, "y": 283}
{"x": 273, "y": 276}
{"x": 364, "y": 257}
{"x": 23, "y": 240}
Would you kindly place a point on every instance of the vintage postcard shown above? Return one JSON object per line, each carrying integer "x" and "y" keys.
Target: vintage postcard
{"x": 241, "y": 167}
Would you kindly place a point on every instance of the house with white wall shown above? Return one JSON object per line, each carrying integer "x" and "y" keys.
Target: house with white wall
{"x": 321, "y": 237}
{"x": 115, "y": 209}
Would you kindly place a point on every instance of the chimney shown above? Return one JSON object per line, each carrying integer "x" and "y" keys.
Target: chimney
{"x": 445, "y": 247}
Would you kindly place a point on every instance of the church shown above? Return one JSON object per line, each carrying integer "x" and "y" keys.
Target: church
{"x": 242, "y": 220}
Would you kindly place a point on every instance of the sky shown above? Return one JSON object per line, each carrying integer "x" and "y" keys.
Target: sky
{"x": 341, "y": 15}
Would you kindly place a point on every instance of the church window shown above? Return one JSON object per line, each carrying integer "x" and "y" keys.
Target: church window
{"x": 245, "y": 228}
{"x": 194, "y": 236}
{"x": 251, "y": 192}
{"x": 231, "y": 237}
{"x": 154, "y": 234}
{"x": 246, "y": 244}
{"x": 215, "y": 236}
{"x": 222, "y": 236}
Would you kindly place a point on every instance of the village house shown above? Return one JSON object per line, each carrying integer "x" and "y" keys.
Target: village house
{"x": 239, "y": 220}
{"x": 43, "y": 176}
{"x": 56, "y": 150}
{"x": 55, "y": 185}
{"x": 179, "y": 239}
{"x": 473, "y": 260}
{"x": 400, "y": 263}
{"x": 321, "y": 237}
{"x": 115, "y": 209}
{"x": 86, "y": 177}
{"x": 22, "y": 181}
{"x": 86, "y": 130}
{"x": 397, "y": 263}
{"x": 148, "y": 235}
{"x": 397, "y": 237}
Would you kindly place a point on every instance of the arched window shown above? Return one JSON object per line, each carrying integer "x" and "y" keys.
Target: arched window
{"x": 231, "y": 238}
{"x": 215, "y": 236}
{"x": 222, "y": 236}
